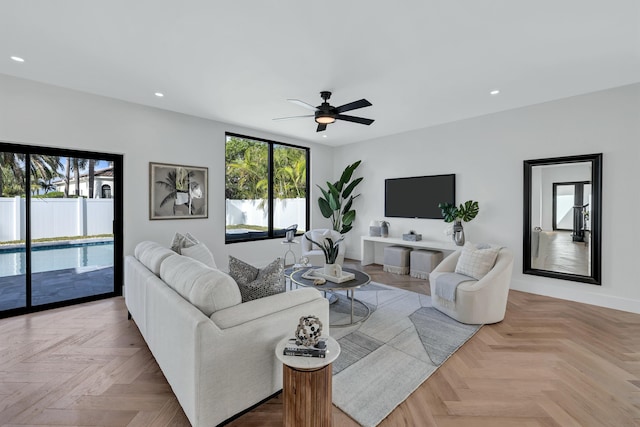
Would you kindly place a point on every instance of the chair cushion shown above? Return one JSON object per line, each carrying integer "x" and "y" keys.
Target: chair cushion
{"x": 256, "y": 282}
{"x": 206, "y": 288}
{"x": 200, "y": 252}
{"x": 476, "y": 260}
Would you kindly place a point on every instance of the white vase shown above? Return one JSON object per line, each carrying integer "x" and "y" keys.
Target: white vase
{"x": 333, "y": 270}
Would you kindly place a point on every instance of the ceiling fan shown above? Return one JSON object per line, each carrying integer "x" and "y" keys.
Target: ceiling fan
{"x": 326, "y": 114}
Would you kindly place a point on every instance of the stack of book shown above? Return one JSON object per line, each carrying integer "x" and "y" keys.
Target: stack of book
{"x": 292, "y": 349}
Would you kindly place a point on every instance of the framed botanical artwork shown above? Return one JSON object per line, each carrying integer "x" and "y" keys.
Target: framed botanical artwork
{"x": 177, "y": 191}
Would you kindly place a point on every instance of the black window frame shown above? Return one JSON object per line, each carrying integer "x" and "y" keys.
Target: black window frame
{"x": 270, "y": 232}
{"x": 118, "y": 225}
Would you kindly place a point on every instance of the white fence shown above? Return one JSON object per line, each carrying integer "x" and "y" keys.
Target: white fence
{"x": 55, "y": 217}
{"x": 286, "y": 212}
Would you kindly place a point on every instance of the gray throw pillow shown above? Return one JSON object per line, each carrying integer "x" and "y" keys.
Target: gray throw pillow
{"x": 181, "y": 241}
{"x": 255, "y": 282}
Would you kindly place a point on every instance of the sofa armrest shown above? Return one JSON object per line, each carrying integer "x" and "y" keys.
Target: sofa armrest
{"x": 252, "y": 310}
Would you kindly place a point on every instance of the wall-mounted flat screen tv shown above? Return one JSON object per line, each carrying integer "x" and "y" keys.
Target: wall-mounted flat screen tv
{"x": 419, "y": 196}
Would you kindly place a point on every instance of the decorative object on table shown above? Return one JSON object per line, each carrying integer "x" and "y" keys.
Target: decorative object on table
{"x": 318, "y": 350}
{"x": 374, "y": 229}
{"x": 336, "y": 201}
{"x": 411, "y": 236}
{"x": 308, "y": 331}
{"x": 177, "y": 192}
{"x": 290, "y": 232}
{"x": 330, "y": 250}
{"x": 302, "y": 263}
{"x": 384, "y": 228}
{"x": 256, "y": 282}
{"x": 465, "y": 212}
{"x": 315, "y": 273}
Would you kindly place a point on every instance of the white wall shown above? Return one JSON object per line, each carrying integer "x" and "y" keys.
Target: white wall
{"x": 45, "y": 115}
{"x": 487, "y": 154}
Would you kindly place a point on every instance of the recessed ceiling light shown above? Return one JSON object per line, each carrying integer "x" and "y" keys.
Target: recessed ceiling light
{"x": 324, "y": 136}
{"x": 17, "y": 59}
{"x": 159, "y": 94}
{"x": 494, "y": 92}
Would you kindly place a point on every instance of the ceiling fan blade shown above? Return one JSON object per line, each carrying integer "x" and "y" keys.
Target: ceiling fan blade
{"x": 302, "y": 104}
{"x": 360, "y": 120}
{"x": 353, "y": 106}
{"x": 321, "y": 127}
{"x": 293, "y": 117}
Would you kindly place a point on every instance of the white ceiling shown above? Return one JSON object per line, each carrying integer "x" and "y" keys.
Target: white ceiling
{"x": 419, "y": 62}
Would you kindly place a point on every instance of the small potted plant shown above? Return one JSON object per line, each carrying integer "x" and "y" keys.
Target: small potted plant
{"x": 330, "y": 250}
{"x": 465, "y": 212}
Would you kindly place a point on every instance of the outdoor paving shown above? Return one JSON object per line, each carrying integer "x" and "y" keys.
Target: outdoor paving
{"x": 55, "y": 286}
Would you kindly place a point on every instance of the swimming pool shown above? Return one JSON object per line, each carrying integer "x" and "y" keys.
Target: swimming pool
{"x": 57, "y": 257}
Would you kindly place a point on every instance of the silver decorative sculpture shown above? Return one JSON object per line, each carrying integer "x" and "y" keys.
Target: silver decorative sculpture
{"x": 308, "y": 331}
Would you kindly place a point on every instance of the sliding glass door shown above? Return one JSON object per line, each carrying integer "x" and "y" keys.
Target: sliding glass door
{"x": 61, "y": 230}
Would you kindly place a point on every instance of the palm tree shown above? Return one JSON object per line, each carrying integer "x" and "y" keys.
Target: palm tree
{"x": 40, "y": 166}
{"x": 46, "y": 186}
{"x": 92, "y": 176}
{"x": 67, "y": 176}
{"x": 78, "y": 165}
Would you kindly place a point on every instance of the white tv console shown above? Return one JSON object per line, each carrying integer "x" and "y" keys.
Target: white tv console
{"x": 373, "y": 247}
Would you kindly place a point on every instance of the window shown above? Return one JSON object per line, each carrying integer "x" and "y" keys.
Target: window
{"x": 266, "y": 188}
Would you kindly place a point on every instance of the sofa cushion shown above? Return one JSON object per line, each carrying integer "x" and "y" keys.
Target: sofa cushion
{"x": 476, "y": 261}
{"x": 255, "y": 282}
{"x": 200, "y": 252}
{"x": 206, "y": 288}
{"x": 151, "y": 255}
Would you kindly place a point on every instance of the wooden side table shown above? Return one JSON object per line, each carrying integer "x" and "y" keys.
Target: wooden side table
{"x": 306, "y": 384}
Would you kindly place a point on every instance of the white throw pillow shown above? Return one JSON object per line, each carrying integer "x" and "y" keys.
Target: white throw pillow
{"x": 200, "y": 252}
{"x": 181, "y": 241}
{"x": 477, "y": 261}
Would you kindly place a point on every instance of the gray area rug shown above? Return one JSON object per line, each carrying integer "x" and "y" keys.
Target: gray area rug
{"x": 385, "y": 358}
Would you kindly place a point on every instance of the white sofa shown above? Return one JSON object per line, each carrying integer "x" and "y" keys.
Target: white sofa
{"x": 217, "y": 353}
{"x": 314, "y": 253}
{"x": 477, "y": 302}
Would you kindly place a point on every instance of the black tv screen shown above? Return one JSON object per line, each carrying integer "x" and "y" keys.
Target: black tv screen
{"x": 419, "y": 196}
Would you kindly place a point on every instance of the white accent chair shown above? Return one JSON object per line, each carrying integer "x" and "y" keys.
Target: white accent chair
{"x": 477, "y": 301}
{"x": 314, "y": 253}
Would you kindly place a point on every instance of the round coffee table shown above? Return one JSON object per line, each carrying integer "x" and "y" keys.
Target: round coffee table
{"x": 359, "y": 281}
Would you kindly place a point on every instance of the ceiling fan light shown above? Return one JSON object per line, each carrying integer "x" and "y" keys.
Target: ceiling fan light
{"x": 325, "y": 119}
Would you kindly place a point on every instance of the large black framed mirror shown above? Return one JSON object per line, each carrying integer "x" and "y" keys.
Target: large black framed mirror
{"x": 563, "y": 218}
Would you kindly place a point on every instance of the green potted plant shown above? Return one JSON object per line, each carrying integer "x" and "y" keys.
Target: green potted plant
{"x": 337, "y": 200}
{"x": 330, "y": 250}
{"x": 465, "y": 212}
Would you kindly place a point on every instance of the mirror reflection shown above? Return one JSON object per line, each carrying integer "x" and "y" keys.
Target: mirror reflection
{"x": 562, "y": 208}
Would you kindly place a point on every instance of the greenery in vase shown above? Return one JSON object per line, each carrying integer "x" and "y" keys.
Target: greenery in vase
{"x": 329, "y": 247}
{"x": 465, "y": 212}
{"x": 336, "y": 201}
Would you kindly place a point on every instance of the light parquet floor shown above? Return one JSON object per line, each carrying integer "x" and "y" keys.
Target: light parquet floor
{"x": 549, "y": 363}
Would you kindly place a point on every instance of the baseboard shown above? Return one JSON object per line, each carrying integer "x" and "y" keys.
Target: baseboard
{"x": 582, "y": 295}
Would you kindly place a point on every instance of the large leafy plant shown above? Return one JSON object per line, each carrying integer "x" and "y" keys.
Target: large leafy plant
{"x": 465, "y": 212}
{"x": 337, "y": 200}
{"x": 329, "y": 247}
